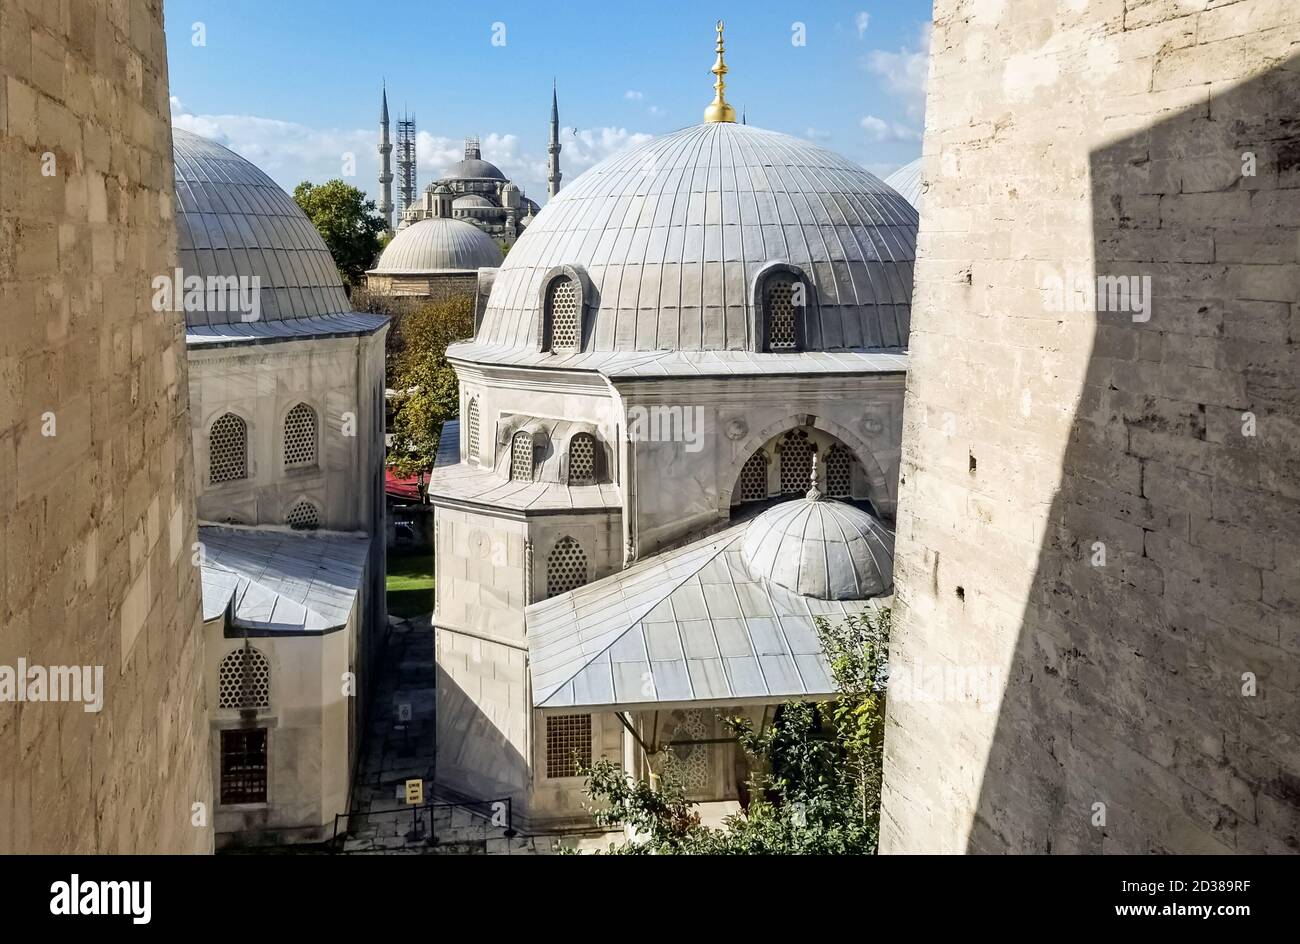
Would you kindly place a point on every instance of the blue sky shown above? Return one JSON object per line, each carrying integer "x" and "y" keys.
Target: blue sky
{"x": 294, "y": 85}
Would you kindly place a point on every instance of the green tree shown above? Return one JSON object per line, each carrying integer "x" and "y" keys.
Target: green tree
{"x": 427, "y": 389}
{"x": 815, "y": 782}
{"x": 347, "y": 222}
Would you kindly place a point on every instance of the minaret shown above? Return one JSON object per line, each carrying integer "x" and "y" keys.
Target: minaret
{"x": 553, "y": 171}
{"x": 718, "y": 109}
{"x": 385, "y": 167}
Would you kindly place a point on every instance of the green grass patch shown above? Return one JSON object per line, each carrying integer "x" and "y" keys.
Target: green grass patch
{"x": 410, "y": 583}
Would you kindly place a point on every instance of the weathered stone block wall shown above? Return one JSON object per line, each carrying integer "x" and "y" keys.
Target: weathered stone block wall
{"x": 96, "y": 478}
{"x": 1098, "y": 571}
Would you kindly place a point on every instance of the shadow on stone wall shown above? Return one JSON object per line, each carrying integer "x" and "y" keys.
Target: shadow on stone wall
{"x": 1126, "y": 688}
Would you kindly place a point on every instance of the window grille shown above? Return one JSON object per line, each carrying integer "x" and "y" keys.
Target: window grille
{"x": 582, "y": 459}
{"x": 243, "y": 765}
{"x": 839, "y": 473}
{"x": 244, "y": 680}
{"x": 562, "y": 307}
{"x": 521, "y": 457}
{"x": 471, "y": 434}
{"x": 300, "y": 437}
{"x": 228, "y": 449}
{"x": 566, "y": 567}
{"x": 753, "y": 478}
{"x": 303, "y": 516}
{"x": 796, "y": 462}
{"x": 568, "y": 745}
{"x": 781, "y": 313}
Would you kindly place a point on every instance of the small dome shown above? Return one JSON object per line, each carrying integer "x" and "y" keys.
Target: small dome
{"x": 510, "y": 188}
{"x": 471, "y": 200}
{"x": 907, "y": 181}
{"x": 234, "y": 220}
{"x": 823, "y": 549}
{"x": 437, "y": 245}
{"x": 472, "y": 168}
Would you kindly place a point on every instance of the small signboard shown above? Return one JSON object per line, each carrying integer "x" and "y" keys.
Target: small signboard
{"x": 415, "y": 792}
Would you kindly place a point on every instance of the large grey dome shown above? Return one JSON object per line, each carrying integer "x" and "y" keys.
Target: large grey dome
{"x": 234, "y": 220}
{"x": 438, "y": 245}
{"x": 824, "y": 549}
{"x": 907, "y": 181}
{"x": 472, "y": 168}
{"x": 673, "y": 233}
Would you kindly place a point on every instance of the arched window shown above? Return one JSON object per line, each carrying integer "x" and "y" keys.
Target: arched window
{"x": 839, "y": 472}
{"x": 521, "y": 457}
{"x": 228, "y": 449}
{"x": 753, "y": 478}
{"x": 566, "y": 567}
{"x": 303, "y": 516}
{"x": 780, "y": 294}
{"x": 582, "y": 459}
{"x": 300, "y": 437}
{"x": 244, "y": 680}
{"x": 471, "y": 429}
{"x": 562, "y": 314}
{"x": 795, "y": 449}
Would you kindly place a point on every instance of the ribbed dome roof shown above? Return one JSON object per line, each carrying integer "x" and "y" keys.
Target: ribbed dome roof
{"x": 233, "y": 220}
{"x": 439, "y": 244}
{"x": 473, "y": 167}
{"x": 672, "y": 234}
{"x": 824, "y": 549}
{"x": 472, "y": 200}
{"x": 907, "y": 181}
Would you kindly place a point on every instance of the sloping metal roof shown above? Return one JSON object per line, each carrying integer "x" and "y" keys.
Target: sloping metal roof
{"x": 281, "y": 581}
{"x": 629, "y": 364}
{"x": 350, "y": 324}
{"x": 233, "y": 220}
{"x": 468, "y": 483}
{"x": 672, "y": 234}
{"x": 689, "y": 625}
{"x": 448, "y": 444}
{"x": 907, "y": 181}
{"x": 438, "y": 245}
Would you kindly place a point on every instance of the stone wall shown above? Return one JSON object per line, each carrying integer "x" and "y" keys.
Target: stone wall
{"x": 1098, "y": 567}
{"x": 96, "y": 478}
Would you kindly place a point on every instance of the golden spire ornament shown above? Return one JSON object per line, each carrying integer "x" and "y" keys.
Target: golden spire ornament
{"x": 718, "y": 109}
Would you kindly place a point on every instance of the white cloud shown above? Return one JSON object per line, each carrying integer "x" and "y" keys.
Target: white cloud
{"x": 655, "y": 110}
{"x": 861, "y": 21}
{"x": 816, "y": 134}
{"x": 905, "y": 71}
{"x": 292, "y": 152}
{"x": 633, "y": 95}
{"x": 880, "y": 130}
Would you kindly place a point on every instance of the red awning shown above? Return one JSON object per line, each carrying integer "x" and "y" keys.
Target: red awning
{"x": 405, "y": 489}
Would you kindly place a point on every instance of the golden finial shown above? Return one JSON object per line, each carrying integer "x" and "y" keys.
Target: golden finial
{"x": 719, "y": 110}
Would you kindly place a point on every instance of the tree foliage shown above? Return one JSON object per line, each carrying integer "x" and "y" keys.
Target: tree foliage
{"x": 425, "y": 383}
{"x": 816, "y": 770}
{"x": 347, "y": 222}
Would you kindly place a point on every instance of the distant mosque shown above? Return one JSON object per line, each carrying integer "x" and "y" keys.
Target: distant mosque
{"x": 473, "y": 191}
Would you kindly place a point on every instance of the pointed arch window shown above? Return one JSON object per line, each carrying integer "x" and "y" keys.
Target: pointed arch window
{"x": 471, "y": 430}
{"x": 566, "y": 567}
{"x": 228, "y": 449}
{"x": 244, "y": 680}
{"x": 521, "y": 457}
{"x": 303, "y": 516}
{"x": 582, "y": 459}
{"x": 562, "y": 314}
{"x": 780, "y": 295}
{"x": 300, "y": 437}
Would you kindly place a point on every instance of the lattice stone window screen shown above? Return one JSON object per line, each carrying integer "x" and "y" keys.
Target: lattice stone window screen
{"x": 781, "y": 312}
{"x": 562, "y": 309}
{"x": 753, "y": 478}
{"x": 796, "y": 462}
{"x": 300, "y": 437}
{"x": 303, "y": 516}
{"x": 566, "y": 567}
{"x": 228, "y": 449}
{"x": 839, "y": 473}
{"x": 471, "y": 434}
{"x": 568, "y": 745}
{"x": 244, "y": 680}
{"x": 243, "y": 765}
{"x": 521, "y": 457}
{"x": 582, "y": 459}
{"x": 689, "y": 763}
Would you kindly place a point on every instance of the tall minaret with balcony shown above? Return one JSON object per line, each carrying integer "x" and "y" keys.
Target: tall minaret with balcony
{"x": 385, "y": 167}
{"x": 553, "y": 172}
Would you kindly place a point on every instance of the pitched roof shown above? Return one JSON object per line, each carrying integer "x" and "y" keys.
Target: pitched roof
{"x": 688, "y": 625}
{"x": 281, "y": 581}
